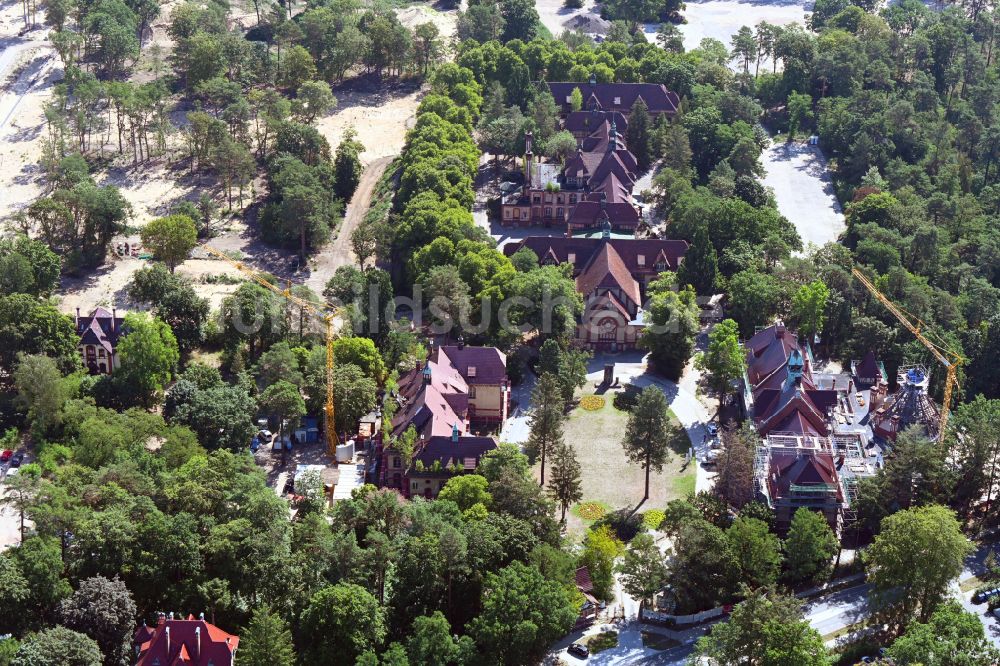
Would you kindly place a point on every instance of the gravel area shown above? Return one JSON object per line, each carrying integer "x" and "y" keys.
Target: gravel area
{"x": 798, "y": 174}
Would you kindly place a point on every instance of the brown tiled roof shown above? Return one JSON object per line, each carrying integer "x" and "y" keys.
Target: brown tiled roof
{"x": 606, "y": 270}
{"x": 100, "y": 328}
{"x": 466, "y": 451}
{"x": 787, "y": 469}
{"x": 489, "y": 362}
{"x": 587, "y": 121}
{"x": 658, "y": 99}
{"x": 768, "y": 350}
{"x": 583, "y": 581}
{"x": 628, "y": 249}
{"x": 589, "y": 214}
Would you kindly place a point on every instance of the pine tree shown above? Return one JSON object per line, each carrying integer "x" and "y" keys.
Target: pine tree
{"x": 546, "y": 418}
{"x": 701, "y": 264}
{"x": 566, "y": 483}
{"x": 638, "y": 137}
{"x": 647, "y": 433}
{"x": 266, "y": 641}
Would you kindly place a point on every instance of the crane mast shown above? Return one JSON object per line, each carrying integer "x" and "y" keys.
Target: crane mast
{"x": 316, "y": 311}
{"x": 949, "y": 359}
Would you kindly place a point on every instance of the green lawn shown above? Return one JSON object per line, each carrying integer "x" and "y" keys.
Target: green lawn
{"x": 602, "y": 641}
{"x": 608, "y": 477}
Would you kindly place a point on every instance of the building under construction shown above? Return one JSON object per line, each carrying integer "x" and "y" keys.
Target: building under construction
{"x": 909, "y": 405}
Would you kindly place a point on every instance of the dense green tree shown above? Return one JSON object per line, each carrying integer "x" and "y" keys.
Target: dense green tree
{"x": 912, "y": 562}
{"x": 952, "y": 636}
{"x": 809, "y": 308}
{"x": 27, "y": 266}
{"x": 565, "y": 482}
{"x": 170, "y": 238}
{"x": 809, "y": 547}
{"x": 639, "y": 136}
{"x": 466, "y": 491}
{"x": 766, "y": 628}
{"x": 545, "y": 422}
{"x": 221, "y": 416}
{"x": 703, "y": 570}
{"x": 103, "y": 610}
{"x": 643, "y": 568}
{"x": 284, "y": 402}
{"x": 149, "y": 356}
{"x": 522, "y": 613}
{"x": 58, "y": 645}
{"x": 432, "y": 643}
{"x": 700, "y": 266}
{"x": 757, "y": 551}
{"x": 341, "y": 622}
{"x": 674, "y": 318}
{"x": 723, "y": 360}
{"x": 347, "y": 164}
{"x": 30, "y": 327}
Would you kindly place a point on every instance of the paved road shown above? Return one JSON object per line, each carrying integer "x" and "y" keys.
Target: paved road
{"x": 339, "y": 252}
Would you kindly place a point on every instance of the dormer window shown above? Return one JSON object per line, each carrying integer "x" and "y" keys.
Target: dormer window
{"x": 571, "y": 257}
{"x": 569, "y": 99}
{"x": 471, "y": 372}
{"x": 661, "y": 266}
{"x": 641, "y": 259}
{"x": 618, "y": 101}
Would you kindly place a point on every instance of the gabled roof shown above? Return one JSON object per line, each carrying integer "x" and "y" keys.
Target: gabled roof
{"x": 432, "y": 407}
{"x": 489, "y": 363}
{"x": 589, "y": 214}
{"x": 658, "y": 99}
{"x": 791, "y": 411}
{"x": 768, "y": 350}
{"x": 100, "y": 328}
{"x": 578, "y": 122}
{"x": 628, "y": 249}
{"x": 190, "y": 641}
{"x": 606, "y": 270}
{"x": 466, "y": 452}
{"x": 802, "y": 469}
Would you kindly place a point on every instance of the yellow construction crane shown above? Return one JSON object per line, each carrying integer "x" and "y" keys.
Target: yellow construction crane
{"x": 948, "y": 358}
{"x": 316, "y": 310}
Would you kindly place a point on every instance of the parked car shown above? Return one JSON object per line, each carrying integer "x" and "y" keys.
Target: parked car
{"x": 712, "y": 427}
{"x": 16, "y": 461}
{"x": 5, "y": 456}
{"x": 578, "y": 650}
{"x": 984, "y": 595}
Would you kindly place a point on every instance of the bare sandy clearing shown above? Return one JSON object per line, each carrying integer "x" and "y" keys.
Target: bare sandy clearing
{"x": 721, "y": 19}
{"x": 380, "y": 113}
{"x": 413, "y": 16}
{"x": 555, "y": 16}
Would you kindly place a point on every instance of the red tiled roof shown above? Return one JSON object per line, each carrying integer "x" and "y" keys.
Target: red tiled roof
{"x": 192, "y": 642}
{"x": 583, "y": 582}
{"x": 606, "y": 270}
{"x": 768, "y": 350}
{"x": 787, "y": 469}
{"x": 100, "y": 328}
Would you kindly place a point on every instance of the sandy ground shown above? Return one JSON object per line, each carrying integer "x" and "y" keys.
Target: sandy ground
{"x": 555, "y": 16}
{"x": 798, "y": 174}
{"x": 413, "y": 16}
{"x": 720, "y": 19}
{"x": 379, "y": 113}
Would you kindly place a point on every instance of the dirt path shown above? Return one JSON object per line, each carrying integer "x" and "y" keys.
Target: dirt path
{"x": 339, "y": 252}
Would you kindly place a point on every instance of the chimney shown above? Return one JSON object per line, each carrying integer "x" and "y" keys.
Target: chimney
{"x": 197, "y": 642}
{"x": 78, "y": 319}
{"x": 461, "y": 343}
{"x": 167, "y": 632}
{"x": 454, "y": 433}
{"x": 160, "y": 619}
{"x": 593, "y": 79}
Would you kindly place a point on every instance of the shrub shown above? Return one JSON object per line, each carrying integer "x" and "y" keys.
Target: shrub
{"x": 652, "y": 519}
{"x": 625, "y": 523}
{"x": 591, "y": 510}
{"x": 626, "y": 398}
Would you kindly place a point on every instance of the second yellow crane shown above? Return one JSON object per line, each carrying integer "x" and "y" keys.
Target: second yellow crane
{"x": 948, "y": 358}
{"x": 328, "y": 318}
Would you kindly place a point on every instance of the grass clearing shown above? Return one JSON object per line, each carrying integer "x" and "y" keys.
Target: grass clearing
{"x": 605, "y": 640}
{"x": 608, "y": 477}
{"x": 970, "y": 584}
{"x": 656, "y": 641}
